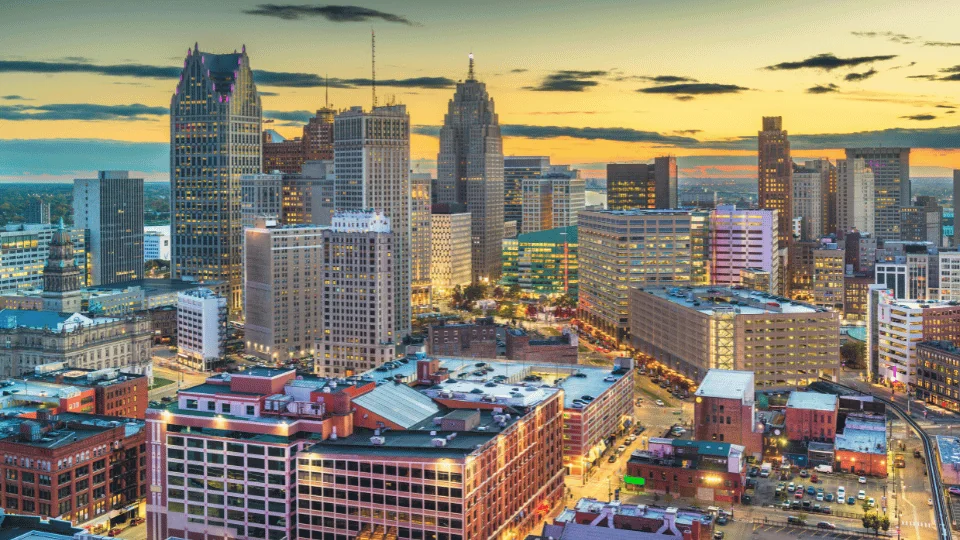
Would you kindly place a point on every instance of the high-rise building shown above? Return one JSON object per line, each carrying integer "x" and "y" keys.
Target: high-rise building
{"x": 639, "y": 185}
{"x": 900, "y": 325}
{"x": 450, "y": 263}
{"x": 856, "y": 197}
{"x": 922, "y": 221}
{"x": 516, "y": 169}
{"x": 828, "y": 272}
{"x": 775, "y": 174}
{"x": 736, "y": 329}
{"x": 289, "y": 199}
{"x": 742, "y": 239}
{"x": 909, "y": 269}
{"x": 201, "y": 329}
{"x": 543, "y": 262}
{"x": 950, "y": 276}
{"x": 23, "y": 254}
{"x": 623, "y": 249}
{"x": 891, "y": 186}
{"x": 38, "y": 211}
{"x": 281, "y": 154}
{"x": 812, "y": 197}
{"x": 421, "y": 245}
{"x": 318, "y": 136}
{"x": 215, "y": 124}
{"x": 110, "y": 208}
{"x": 61, "y": 277}
{"x": 372, "y": 164}
{"x": 156, "y": 243}
{"x": 470, "y": 168}
{"x": 956, "y": 208}
{"x": 260, "y": 198}
{"x": 551, "y": 201}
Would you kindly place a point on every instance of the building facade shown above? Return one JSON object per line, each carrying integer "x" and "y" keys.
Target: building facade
{"x": 937, "y": 365}
{"x": 156, "y": 243}
{"x": 38, "y": 211}
{"x": 812, "y": 416}
{"x": 470, "y": 170}
{"x": 516, "y": 169}
{"x": 828, "y": 277}
{"x": 705, "y": 470}
{"x": 23, "y": 255}
{"x": 551, "y": 201}
{"x": 811, "y": 197}
{"x": 61, "y": 277}
{"x": 543, "y": 263}
{"x": 110, "y": 208}
{"x": 639, "y": 185}
{"x": 450, "y": 260}
{"x": 623, "y": 249}
{"x": 775, "y": 175}
{"x": 724, "y": 410}
{"x": 949, "y": 263}
{"x": 891, "y": 186}
{"x": 922, "y": 222}
{"x": 372, "y": 164}
{"x": 741, "y": 239}
{"x": 289, "y": 199}
{"x": 201, "y": 329}
{"x": 856, "y": 197}
{"x": 215, "y": 125}
{"x": 898, "y": 326}
{"x": 421, "y": 243}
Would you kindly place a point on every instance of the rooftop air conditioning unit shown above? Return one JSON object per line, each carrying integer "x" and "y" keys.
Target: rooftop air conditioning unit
{"x": 439, "y": 442}
{"x": 378, "y": 441}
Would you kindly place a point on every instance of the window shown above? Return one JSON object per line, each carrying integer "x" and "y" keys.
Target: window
{"x": 250, "y": 410}
{"x": 192, "y": 404}
{"x": 225, "y": 407}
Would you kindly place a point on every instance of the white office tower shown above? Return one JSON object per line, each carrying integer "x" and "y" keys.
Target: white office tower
{"x": 201, "y": 329}
{"x": 855, "y": 197}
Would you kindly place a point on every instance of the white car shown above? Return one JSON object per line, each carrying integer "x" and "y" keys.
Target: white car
{"x": 861, "y": 495}
{"x": 659, "y": 403}
{"x": 819, "y": 496}
{"x": 871, "y": 503}
{"x": 862, "y": 479}
{"x": 841, "y": 494}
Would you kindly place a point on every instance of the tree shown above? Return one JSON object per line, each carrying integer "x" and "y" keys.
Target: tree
{"x": 474, "y": 292}
{"x": 498, "y": 292}
{"x": 876, "y": 521}
{"x": 532, "y": 311}
{"x": 565, "y": 301}
{"x": 457, "y": 297}
{"x": 514, "y": 291}
{"x": 854, "y": 354}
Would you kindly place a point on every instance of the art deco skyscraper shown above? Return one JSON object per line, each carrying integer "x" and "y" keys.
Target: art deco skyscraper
{"x": 371, "y": 153}
{"x": 775, "y": 175}
{"x": 215, "y": 125}
{"x": 470, "y": 170}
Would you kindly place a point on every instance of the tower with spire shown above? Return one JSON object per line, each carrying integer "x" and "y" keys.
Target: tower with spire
{"x": 61, "y": 277}
{"x": 470, "y": 170}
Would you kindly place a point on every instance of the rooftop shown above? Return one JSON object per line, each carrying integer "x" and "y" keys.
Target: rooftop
{"x": 550, "y": 236}
{"x": 593, "y": 506}
{"x": 949, "y": 449}
{"x": 59, "y": 322}
{"x": 398, "y": 403}
{"x": 710, "y": 300}
{"x": 863, "y": 433}
{"x": 66, "y": 429}
{"x": 728, "y": 384}
{"x": 813, "y": 401}
{"x": 577, "y": 531}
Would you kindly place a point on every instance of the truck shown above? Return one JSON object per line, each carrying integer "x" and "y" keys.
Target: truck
{"x": 823, "y": 469}
{"x": 765, "y": 470}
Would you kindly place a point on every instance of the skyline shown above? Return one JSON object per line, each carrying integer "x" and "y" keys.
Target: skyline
{"x": 582, "y": 98}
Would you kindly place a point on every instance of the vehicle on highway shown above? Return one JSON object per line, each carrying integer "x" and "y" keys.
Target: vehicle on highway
{"x": 861, "y": 495}
{"x": 862, "y": 480}
{"x": 953, "y": 490}
{"x": 795, "y": 520}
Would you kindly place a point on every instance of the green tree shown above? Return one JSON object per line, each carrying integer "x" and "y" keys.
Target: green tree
{"x": 514, "y": 291}
{"x": 854, "y": 354}
{"x": 457, "y": 297}
{"x": 876, "y": 521}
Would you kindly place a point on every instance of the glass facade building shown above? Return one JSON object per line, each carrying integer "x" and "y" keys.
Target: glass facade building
{"x": 543, "y": 263}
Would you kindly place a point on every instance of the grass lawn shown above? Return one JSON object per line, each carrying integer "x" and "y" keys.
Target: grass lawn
{"x": 159, "y": 382}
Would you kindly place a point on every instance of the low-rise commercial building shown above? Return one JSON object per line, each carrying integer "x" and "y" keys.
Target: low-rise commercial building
{"x": 620, "y": 521}
{"x": 107, "y": 392}
{"x": 525, "y": 347}
{"x": 724, "y": 410}
{"x": 705, "y": 470}
{"x": 862, "y": 447}
{"x": 469, "y": 340}
{"x": 785, "y": 343}
{"x": 811, "y": 416}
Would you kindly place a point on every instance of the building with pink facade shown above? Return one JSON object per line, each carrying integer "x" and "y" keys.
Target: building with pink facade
{"x": 742, "y": 239}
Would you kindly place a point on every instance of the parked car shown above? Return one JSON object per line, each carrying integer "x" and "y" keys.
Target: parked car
{"x": 753, "y": 471}
{"x": 811, "y": 490}
{"x": 851, "y": 501}
{"x": 746, "y": 499}
{"x": 612, "y": 459}
{"x": 828, "y": 497}
{"x": 826, "y": 525}
{"x": 916, "y": 453}
{"x": 138, "y": 521}
{"x": 841, "y": 494}
{"x": 814, "y": 478}
{"x": 722, "y": 519}
{"x": 862, "y": 480}
{"x": 791, "y": 487}
{"x": 798, "y": 494}
{"x": 804, "y": 473}
{"x": 861, "y": 495}
{"x": 871, "y": 503}
{"x": 820, "y": 496}
{"x": 718, "y": 535}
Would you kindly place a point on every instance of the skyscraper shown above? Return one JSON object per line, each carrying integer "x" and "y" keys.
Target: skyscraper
{"x": 516, "y": 169}
{"x": 855, "y": 196}
{"x": 38, "y": 211}
{"x": 421, "y": 247}
{"x": 470, "y": 169}
{"x": 110, "y": 208}
{"x": 552, "y": 201}
{"x": 891, "y": 186}
{"x": 215, "y": 124}
{"x": 318, "y": 136}
{"x": 372, "y": 164}
{"x": 775, "y": 175}
{"x": 638, "y": 185}
{"x": 812, "y": 197}
{"x": 740, "y": 240}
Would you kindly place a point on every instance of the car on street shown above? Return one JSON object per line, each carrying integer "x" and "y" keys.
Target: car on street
{"x": 826, "y": 525}
{"x": 659, "y": 403}
{"x": 862, "y": 479}
{"x": 953, "y": 490}
{"x": 722, "y": 519}
{"x": 621, "y": 448}
{"x": 753, "y": 471}
{"x": 861, "y": 495}
{"x": 798, "y": 494}
{"x": 612, "y": 459}
{"x": 916, "y": 453}
{"x": 851, "y": 501}
{"x": 746, "y": 499}
{"x": 718, "y": 535}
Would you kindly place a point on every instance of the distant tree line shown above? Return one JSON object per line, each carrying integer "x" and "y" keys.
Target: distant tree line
{"x": 15, "y": 199}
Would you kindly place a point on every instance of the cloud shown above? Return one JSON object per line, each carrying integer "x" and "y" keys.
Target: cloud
{"x": 829, "y": 62}
{"x": 290, "y": 116}
{"x": 941, "y": 44}
{"x": 687, "y": 131}
{"x": 262, "y": 77}
{"x": 12, "y": 97}
{"x": 293, "y": 12}
{"x": 568, "y": 81}
{"x": 889, "y": 36}
{"x": 823, "y": 89}
{"x": 945, "y": 106}
{"x": 684, "y": 98}
{"x": 555, "y": 113}
{"x": 920, "y": 117}
{"x": 663, "y": 79}
{"x": 519, "y": 70}
{"x": 943, "y": 138}
{"x": 79, "y": 111}
{"x": 587, "y": 133}
{"x": 269, "y": 94}
{"x": 694, "y": 89}
{"x": 856, "y": 77}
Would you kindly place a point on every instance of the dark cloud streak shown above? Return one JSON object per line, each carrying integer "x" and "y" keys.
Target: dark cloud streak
{"x": 700, "y": 89}
{"x": 828, "y": 62}
{"x": 79, "y": 111}
{"x": 857, "y": 77}
{"x": 823, "y": 89}
{"x": 295, "y": 12}
{"x": 568, "y": 81}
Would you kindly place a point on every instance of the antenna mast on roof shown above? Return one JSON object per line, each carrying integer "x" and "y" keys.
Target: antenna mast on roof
{"x": 373, "y": 64}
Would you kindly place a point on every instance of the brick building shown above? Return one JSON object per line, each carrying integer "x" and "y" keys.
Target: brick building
{"x": 862, "y": 447}
{"x": 81, "y": 468}
{"x": 811, "y": 416}
{"x": 115, "y": 393}
{"x": 705, "y": 470}
{"x": 937, "y": 363}
{"x": 470, "y": 340}
{"x": 523, "y": 347}
{"x": 724, "y": 410}
{"x": 590, "y": 517}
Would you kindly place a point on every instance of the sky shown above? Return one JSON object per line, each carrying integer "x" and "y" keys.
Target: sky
{"x": 86, "y": 85}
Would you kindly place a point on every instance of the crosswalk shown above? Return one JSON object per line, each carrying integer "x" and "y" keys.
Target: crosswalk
{"x": 923, "y": 524}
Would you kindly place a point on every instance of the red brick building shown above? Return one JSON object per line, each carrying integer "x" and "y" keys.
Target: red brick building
{"x": 724, "y": 410}
{"x": 862, "y": 446}
{"x": 77, "y": 467}
{"x": 279, "y": 154}
{"x": 560, "y": 349}
{"x": 108, "y": 392}
{"x": 708, "y": 471}
{"x": 469, "y": 340}
{"x": 318, "y": 136}
{"x": 811, "y": 416}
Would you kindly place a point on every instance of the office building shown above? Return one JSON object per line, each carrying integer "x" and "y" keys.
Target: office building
{"x": 722, "y": 329}
{"x": 82, "y": 468}
{"x": 855, "y": 289}
{"x": 38, "y": 211}
{"x": 828, "y": 271}
{"x": 543, "y": 263}
{"x": 372, "y": 164}
{"x": 470, "y": 169}
{"x": 775, "y": 175}
{"x": 201, "y": 329}
{"x": 891, "y": 186}
{"x": 724, "y": 410}
{"x": 811, "y": 197}
{"x": 937, "y": 362}
{"x": 623, "y": 249}
{"x": 551, "y": 202}
{"x": 450, "y": 260}
{"x": 482, "y": 339}
{"x": 949, "y": 267}
{"x": 922, "y": 221}
{"x": 757, "y": 279}
{"x": 516, "y": 169}
{"x": 156, "y": 243}
{"x": 421, "y": 244}
{"x": 280, "y": 154}
{"x": 741, "y": 239}
{"x": 510, "y": 229}
{"x": 856, "y": 197}
{"x": 318, "y": 136}
{"x": 706, "y": 470}
{"x": 215, "y": 125}
{"x": 860, "y": 251}
{"x": 289, "y": 199}
{"x": 909, "y": 269}
{"x": 261, "y": 198}
{"x": 61, "y": 277}
{"x": 110, "y": 209}
{"x": 616, "y": 520}
{"x": 899, "y": 325}
{"x": 639, "y": 185}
